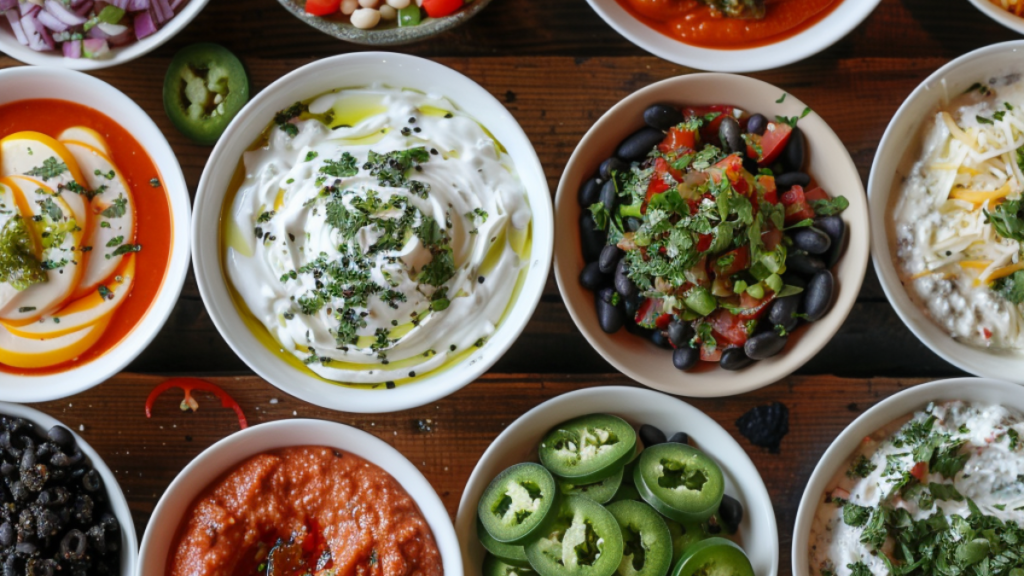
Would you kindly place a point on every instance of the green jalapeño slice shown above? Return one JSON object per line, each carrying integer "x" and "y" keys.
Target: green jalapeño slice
{"x": 588, "y": 449}
{"x": 515, "y": 505}
{"x": 600, "y": 492}
{"x": 506, "y": 553}
{"x": 714, "y": 557}
{"x": 679, "y": 481}
{"x": 647, "y": 542}
{"x": 583, "y": 540}
{"x": 494, "y": 566}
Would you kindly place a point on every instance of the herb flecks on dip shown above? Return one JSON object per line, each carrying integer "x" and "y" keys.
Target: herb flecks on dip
{"x": 958, "y": 221}
{"x": 378, "y": 234}
{"x": 305, "y": 510}
{"x": 940, "y": 493}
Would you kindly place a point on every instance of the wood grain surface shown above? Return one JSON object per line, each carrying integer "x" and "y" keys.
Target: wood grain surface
{"x": 557, "y": 67}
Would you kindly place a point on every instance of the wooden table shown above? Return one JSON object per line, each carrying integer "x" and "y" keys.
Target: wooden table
{"x": 557, "y": 67}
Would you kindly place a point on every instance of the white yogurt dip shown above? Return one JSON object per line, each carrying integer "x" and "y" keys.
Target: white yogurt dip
{"x": 954, "y": 260}
{"x": 976, "y": 456}
{"x": 379, "y": 235}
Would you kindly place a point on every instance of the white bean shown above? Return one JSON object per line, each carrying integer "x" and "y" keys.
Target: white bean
{"x": 368, "y": 3}
{"x": 365, "y": 18}
{"x": 398, "y": 4}
{"x": 349, "y": 6}
{"x": 387, "y": 12}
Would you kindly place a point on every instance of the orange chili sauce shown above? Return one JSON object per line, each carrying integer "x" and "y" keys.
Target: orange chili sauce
{"x": 154, "y": 229}
{"x": 695, "y": 23}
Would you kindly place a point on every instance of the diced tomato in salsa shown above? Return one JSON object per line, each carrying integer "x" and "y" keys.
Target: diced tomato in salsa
{"x": 771, "y": 238}
{"x": 659, "y": 182}
{"x": 709, "y": 355}
{"x": 773, "y": 141}
{"x": 767, "y": 183}
{"x": 797, "y": 207}
{"x": 727, "y": 328}
{"x": 754, "y": 308}
{"x": 815, "y": 194}
{"x": 731, "y": 262}
{"x": 678, "y": 141}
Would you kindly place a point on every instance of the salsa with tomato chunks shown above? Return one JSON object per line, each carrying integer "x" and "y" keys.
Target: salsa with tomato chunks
{"x": 715, "y": 242}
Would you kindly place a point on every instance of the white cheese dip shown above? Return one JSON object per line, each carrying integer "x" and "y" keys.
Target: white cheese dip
{"x": 950, "y": 256}
{"x": 381, "y": 237}
{"x": 991, "y": 439}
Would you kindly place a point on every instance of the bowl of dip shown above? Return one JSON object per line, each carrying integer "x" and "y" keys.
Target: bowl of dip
{"x": 350, "y": 498}
{"x": 112, "y": 249}
{"x": 762, "y": 36}
{"x": 944, "y": 187}
{"x": 917, "y": 458}
{"x": 1009, "y": 13}
{"x": 362, "y": 242}
{"x": 757, "y": 533}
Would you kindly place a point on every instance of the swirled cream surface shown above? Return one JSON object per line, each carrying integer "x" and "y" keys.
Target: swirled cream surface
{"x": 378, "y": 234}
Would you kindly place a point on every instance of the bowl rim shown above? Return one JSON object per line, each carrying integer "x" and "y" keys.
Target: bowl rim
{"x": 964, "y": 356}
{"x": 225, "y": 455}
{"x": 841, "y": 21}
{"x": 212, "y": 283}
{"x": 119, "y": 55}
{"x": 872, "y": 420}
{"x": 118, "y": 503}
{"x": 727, "y": 383}
{"x": 743, "y": 469}
{"x": 81, "y": 377}
{"x": 1000, "y": 16}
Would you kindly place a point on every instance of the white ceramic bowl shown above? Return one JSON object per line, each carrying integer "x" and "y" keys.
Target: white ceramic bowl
{"x": 21, "y": 83}
{"x": 843, "y": 19}
{"x": 354, "y": 70}
{"x": 758, "y": 532}
{"x": 219, "y": 459}
{"x": 118, "y": 55}
{"x": 129, "y": 542}
{"x": 1000, "y": 15}
{"x": 903, "y": 133}
{"x": 828, "y": 162}
{"x": 876, "y": 418}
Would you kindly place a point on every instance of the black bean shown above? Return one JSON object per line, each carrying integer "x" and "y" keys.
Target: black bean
{"x": 592, "y": 278}
{"x": 685, "y": 358}
{"x": 25, "y": 548}
{"x": 72, "y": 547}
{"x": 638, "y": 144}
{"x": 787, "y": 180}
{"x": 731, "y": 135}
{"x": 730, "y": 512}
{"x": 592, "y": 238}
{"x": 28, "y": 460}
{"x": 623, "y": 285}
{"x": 680, "y": 438}
{"x": 757, "y": 124}
{"x": 680, "y": 333}
{"x": 735, "y": 359}
{"x": 661, "y": 340}
{"x": 792, "y": 156}
{"x": 590, "y": 193}
{"x": 818, "y": 296}
{"x": 61, "y": 436}
{"x": 92, "y": 481}
{"x": 633, "y": 224}
{"x": 764, "y": 345}
{"x": 609, "y": 258}
{"x": 651, "y": 436}
{"x": 612, "y": 165}
{"x": 663, "y": 116}
{"x": 610, "y": 316}
{"x": 811, "y": 240}
{"x": 609, "y": 196}
{"x": 804, "y": 264}
{"x": 6, "y": 534}
{"x": 783, "y": 312}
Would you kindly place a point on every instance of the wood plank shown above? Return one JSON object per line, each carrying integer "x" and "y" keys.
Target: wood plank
{"x": 147, "y": 454}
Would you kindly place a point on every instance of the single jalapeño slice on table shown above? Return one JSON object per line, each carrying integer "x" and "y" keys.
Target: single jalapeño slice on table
{"x": 515, "y": 506}
{"x": 679, "y": 481}
{"x": 584, "y": 539}
{"x": 588, "y": 449}
{"x": 646, "y": 540}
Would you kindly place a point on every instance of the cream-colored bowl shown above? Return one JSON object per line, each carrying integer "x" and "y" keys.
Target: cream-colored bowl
{"x": 219, "y": 459}
{"x": 758, "y": 532}
{"x": 354, "y": 70}
{"x": 902, "y": 134}
{"x": 119, "y": 506}
{"x": 828, "y": 162}
{"x": 877, "y": 417}
{"x": 25, "y": 83}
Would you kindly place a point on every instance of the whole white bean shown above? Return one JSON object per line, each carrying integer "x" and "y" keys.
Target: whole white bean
{"x": 398, "y": 4}
{"x": 365, "y": 18}
{"x": 387, "y": 12}
{"x": 368, "y": 3}
{"x": 349, "y": 6}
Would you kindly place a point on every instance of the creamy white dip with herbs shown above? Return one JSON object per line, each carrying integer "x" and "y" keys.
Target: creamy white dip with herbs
{"x": 378, "y": 234}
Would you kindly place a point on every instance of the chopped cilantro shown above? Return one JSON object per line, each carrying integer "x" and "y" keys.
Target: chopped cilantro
{"x": 115, "y": 241}
{"x": 346, "y": 167}
{"x": 117, "y": 208}
{"x": 311, "y": 155}
{"x": 51, "y": 168}
{"x": 862, "y": 467}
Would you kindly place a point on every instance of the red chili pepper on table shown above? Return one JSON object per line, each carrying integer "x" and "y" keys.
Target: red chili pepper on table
{"x": 189, "y": 403}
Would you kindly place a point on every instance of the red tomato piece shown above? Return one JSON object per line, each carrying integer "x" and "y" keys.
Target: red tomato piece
{"x": 678, "y": 140}
{"x": 753, "y": 308}
{"x": 441, "y": 8}
{"x": 709, "y": 355}
{"x": 773, "y": 141}
{"x": 767, "y": 184}
{"x": 322, "y": 7}
{"x": 919, "y": 471}
{"x": 797, "y": 207}
{"x": 816, "y": 194}
{"x": 663, "y": 321}
{"x": 727, "y": 328}
{"x": 704, "y": 242}
{"x": 731, "y": 262}
{"x": 659, "y": 181}
{"x": 709, "y": 131}
{"x": 771, "y": 238}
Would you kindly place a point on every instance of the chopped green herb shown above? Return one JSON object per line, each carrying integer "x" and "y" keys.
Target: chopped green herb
{"x": 51, "y": 168}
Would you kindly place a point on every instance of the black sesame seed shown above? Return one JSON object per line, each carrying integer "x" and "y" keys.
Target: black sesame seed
{"x": 390, "y": 385}
{"x": 480, "y": 279}
{"x": 433, "y": 151}
{"x": 417, "y": 130}
{"x": 412, "y": 374}
{"x": 452, "y": 347}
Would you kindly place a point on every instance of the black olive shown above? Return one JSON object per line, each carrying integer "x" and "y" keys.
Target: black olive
{"x": 757, "y": 124}
{"x": 636, "y": 329}
{"x": 592, "y": 278}
{"x": 663, "y": 116}
{"x": 623, "y": 285}
{"x": 61, "y": 436}
{"x": 610, "y": 316}
{"x": 783, "y": 312}
{"x": 735, "y": 359}
{"x": 811, "y": 240}
{"x": 680, "y": 333}
{"x": 609, "y": 258}
{"x": 764, "y": 345}
{"x": 818, "y": 296}
{"x": 765, "y": 426}
{"x": 589, "y": 193}
{"x": 679, "y": 438}
{"x": 792, "y": 156}
{"x": 730, "y": 512}
{"x": 651, "y": 436}
{"x": 592, "y": 238}
{"x": 731, "y": 135}
{"x": 609, "y": 196}
{"x": 661, "y": 340}
{"x": 836, "y": 229}
{"x": 685, "y": 358}
{"x": 612, "y": 165}
{"x": 632, "y": 304}
{"x": 804, "y": 264}
{"x": 787, "y": 180}
{"x": 638, "y": 144}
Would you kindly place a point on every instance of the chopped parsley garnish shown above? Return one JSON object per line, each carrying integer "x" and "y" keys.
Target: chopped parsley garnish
{"x": 854, "y": 515}
{"x": 311, "y": 155}
{"x": 117, "y": 208}
{"x": 115, "y": 241}
{"x": 862, "y": 467}
{"x": 781, "y": 98}
{"x": 283, "y": 118}
{"x": 51, "y": 168}
{"x": 792, "y": 120}
{"x": 50, "y": 208}
{"x": 125, "y": 249}
{"x": 108, "y": 175}
{"x": 19, "y": 266}
{"x": 830, "y": 207}
{"x": 346, "y": 167}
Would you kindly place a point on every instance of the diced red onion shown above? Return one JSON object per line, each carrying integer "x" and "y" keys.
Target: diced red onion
{"x": 97, "y": 32}
{"x": 6, "y": 5}
{"x": 162, "y": 11}
{"x": 28, "y": 9}
{"x": 73, "y": 49}
{"x": 112, "y": 29}
{"x": 121, "y": 39}
{"x": 19, "y": 32}
{"x": 138, "y": 5}
{"x": 144, "y": 25}
{"x": 51, "y": 22}
{"x": 176, "y": 3}
{"x": 95, "y": 47}
{"x": 38, "y": 38}
{"x": 63, "y": 14}
{"x": 84, "y": 8}
{"x": 77, "y": 3}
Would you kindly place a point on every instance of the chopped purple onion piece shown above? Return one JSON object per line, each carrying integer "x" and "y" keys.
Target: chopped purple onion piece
{"x": 19, "y": 32}
{"x": 73, "y": 49}
{"x": 63, "y": 14}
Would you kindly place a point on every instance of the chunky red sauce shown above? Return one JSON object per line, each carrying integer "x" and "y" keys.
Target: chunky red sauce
{"x": 693, "y": 22}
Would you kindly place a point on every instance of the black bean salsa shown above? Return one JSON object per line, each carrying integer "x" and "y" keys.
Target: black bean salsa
{"x": 55, "y": 516}
{"x": 705, "y": 234}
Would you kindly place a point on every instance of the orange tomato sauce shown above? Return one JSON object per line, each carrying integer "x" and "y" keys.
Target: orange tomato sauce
{"x": 695, "y": 23}
{"x": 154, "y": 228}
